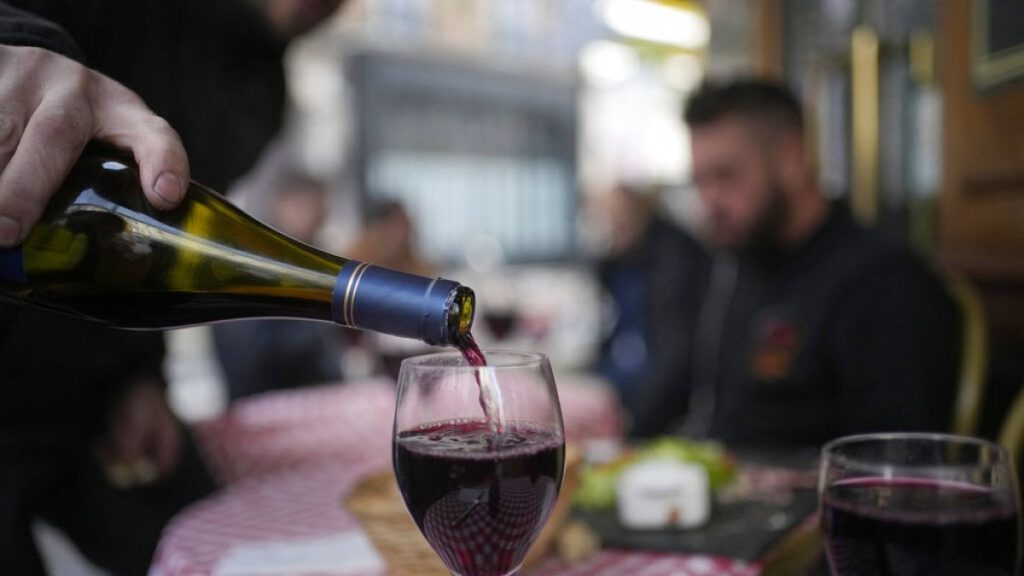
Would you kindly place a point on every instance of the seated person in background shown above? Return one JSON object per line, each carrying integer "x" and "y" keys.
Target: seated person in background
{"x": 387, "y": 239}
{"x": 812, "y": 326}
{"x": 651, "y": 274}
{"x": 261, "y": 355}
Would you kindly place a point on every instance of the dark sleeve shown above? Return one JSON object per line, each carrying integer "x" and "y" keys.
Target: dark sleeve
{"x": 20, "y": 28}
{"x": 212, "y": 68}
{"x": 61, "y": 374}
{"x": 666, "y": 392}
{"x": 895, "y": 350}
{"x": 678, "y": 280}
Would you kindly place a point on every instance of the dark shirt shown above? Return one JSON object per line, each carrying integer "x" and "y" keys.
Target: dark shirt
{"x": 211, "y": 69}
{"x": 20, "y": 28}
{"x": 655, "y": 290}
{"x": 850, "y": 333}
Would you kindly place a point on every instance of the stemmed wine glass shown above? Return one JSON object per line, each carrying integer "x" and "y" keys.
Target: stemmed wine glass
{"x": 479, "y": 486}
{"x": 919, "y": 504}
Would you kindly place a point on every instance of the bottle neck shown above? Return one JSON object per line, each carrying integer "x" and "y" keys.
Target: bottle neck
{"x": 393, "y": 302}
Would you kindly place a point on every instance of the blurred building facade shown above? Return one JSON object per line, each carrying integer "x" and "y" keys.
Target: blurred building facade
{"x": 493, "y": 123}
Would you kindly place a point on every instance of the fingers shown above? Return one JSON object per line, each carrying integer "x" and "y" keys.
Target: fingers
{"x": 11, "y": 129}
{"x": 50, "y": 107}
{"x": 53, "y": 138}
{"x": 44, "y": 123}
{"x": 163, "y": 165}
{"x": 124, "y": 120}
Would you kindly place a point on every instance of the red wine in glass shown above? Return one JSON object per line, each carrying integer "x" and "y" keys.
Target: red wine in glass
{"x": 478, "y": 495}
{"x": 480, "y": 499}
{"x": 894, "y": 526}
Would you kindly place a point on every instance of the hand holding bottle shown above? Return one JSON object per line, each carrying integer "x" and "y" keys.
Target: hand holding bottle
{"x": 50, "y": 106}
{"x": 101, "y": 252}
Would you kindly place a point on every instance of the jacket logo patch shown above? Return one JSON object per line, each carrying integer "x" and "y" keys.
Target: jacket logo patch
{"x": 777, "y": 340}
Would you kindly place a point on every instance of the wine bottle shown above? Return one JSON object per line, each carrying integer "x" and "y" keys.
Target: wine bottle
{"x": 101, "y": 252}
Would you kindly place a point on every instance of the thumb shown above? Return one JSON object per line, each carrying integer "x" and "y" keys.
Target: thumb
{"x": 124, "y": 120}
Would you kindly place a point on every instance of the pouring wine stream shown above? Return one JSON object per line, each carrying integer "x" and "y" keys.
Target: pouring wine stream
{"x": 490, "y": 392}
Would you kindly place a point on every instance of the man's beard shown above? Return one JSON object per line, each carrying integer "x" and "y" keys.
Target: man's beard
{"x": 764, "y": 243}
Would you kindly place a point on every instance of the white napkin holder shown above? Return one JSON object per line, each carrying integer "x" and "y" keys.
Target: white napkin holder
{"x": 663, "y": 493}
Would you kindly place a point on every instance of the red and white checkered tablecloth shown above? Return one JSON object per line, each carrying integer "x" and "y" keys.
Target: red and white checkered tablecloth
{"x": 308, "y": 503}
{"x": 288, "y": 505}
{"x": 289, "y": 458}
{"x": 351, "y": 423}
{"x": 283, "y": 430}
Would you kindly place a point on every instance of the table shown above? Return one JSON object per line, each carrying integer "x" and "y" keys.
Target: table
{"x": 289, "y": 458}
{"x": 351, "y": 423}
{"x": 773, "y": 496}
{"x": 767, "y": 516}
{"x": 307, "y": 504}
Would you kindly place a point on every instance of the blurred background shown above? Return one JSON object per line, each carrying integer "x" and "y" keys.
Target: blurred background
{"x": 483, "y": 141}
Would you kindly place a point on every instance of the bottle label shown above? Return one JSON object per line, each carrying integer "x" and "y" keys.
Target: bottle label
{"x": 392, "y": 302}
{"x": 12, "y": 266}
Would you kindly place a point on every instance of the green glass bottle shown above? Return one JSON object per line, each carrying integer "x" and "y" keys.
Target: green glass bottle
{"x": 101, "y": 252}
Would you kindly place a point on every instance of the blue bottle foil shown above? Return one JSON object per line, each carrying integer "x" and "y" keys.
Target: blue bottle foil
{"x": 12, "y": 266}
{"x": 392, "y": 302}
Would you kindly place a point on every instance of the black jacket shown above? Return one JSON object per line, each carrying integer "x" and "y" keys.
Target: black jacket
{"x": 850, "y": 333}
{"x": 653, "y": 327}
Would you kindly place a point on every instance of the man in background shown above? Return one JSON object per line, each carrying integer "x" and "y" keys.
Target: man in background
{"x": 87, "y": 441}
{"x": 388, "y": 238}
{"x": 812, "y": 326}
{"x": 651, "y": 273}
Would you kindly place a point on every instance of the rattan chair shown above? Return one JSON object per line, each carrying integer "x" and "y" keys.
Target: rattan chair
{"x": 974, "y": 350}
{"x": 1012, "y": 434}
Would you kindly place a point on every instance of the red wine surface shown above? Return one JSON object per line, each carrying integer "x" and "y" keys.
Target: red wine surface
{"x": 910, "y": 526}
{"x": 480, "y": 499}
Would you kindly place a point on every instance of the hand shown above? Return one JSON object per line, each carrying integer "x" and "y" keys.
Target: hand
{"x": 50, "y": 106}
{"x": 143, "y": 440}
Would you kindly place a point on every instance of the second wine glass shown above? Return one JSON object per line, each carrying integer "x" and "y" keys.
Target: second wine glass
{"x": 919, "y": 504}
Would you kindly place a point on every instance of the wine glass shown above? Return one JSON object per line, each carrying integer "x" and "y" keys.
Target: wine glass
{"x": 479, "y": 486}
{"x": 911, "y": 503}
